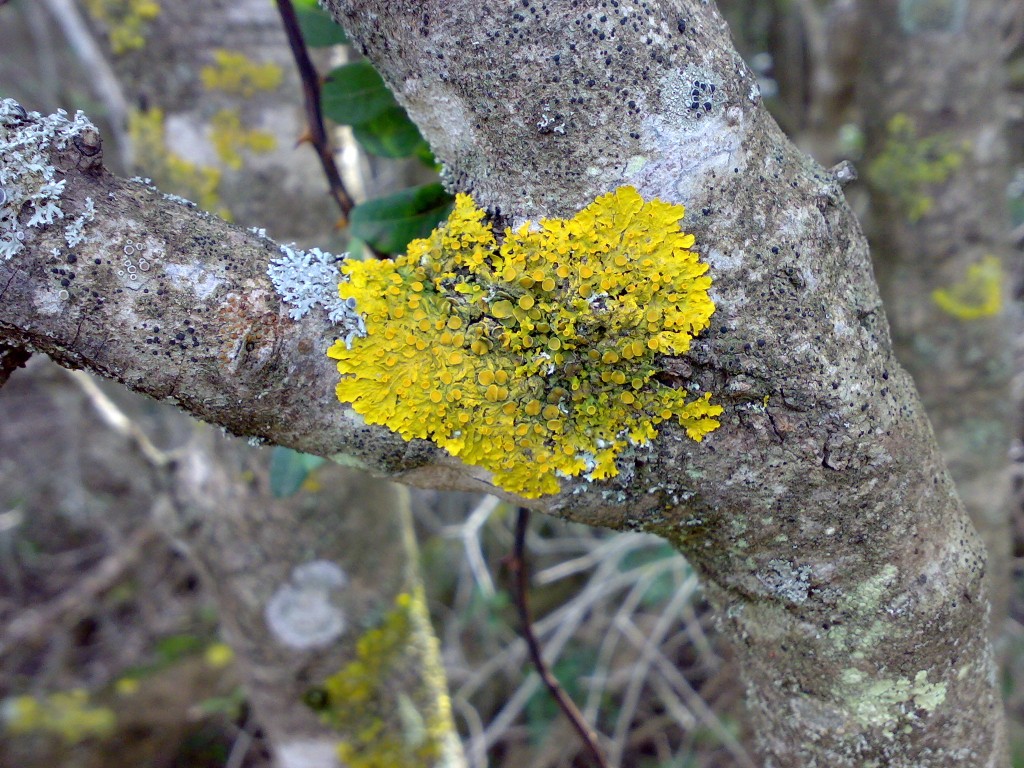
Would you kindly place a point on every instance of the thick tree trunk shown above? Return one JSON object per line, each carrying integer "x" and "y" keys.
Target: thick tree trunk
{"x": 842, "y": 563}
{"x": 934, "y": 99}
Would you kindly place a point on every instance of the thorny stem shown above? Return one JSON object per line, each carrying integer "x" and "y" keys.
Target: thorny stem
{"x": 314, "y": 112}
{"x": 517, "y": 564}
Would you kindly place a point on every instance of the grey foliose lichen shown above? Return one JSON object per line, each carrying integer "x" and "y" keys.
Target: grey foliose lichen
{"x": 30, "y": 187}
{"x": 306, "y": 279}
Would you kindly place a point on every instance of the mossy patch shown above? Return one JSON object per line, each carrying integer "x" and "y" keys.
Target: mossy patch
{"x": 172, "y": 172}
{"x": 126, "y": 21}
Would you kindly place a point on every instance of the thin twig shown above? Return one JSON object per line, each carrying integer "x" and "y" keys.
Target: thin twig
{"x": 469, "y": 532}
{"x": 33, "y": 625}
{"x": 517, "y": 564}
{"x": 314, "y": 112}
{"x": 239, "y": 750}
{"x": 119, "y": 421}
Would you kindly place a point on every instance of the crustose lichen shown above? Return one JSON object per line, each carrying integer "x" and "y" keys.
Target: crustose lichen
{"x": 534, "y": 355}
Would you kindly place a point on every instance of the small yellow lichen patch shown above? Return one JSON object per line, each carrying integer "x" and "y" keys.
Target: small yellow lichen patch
{"x": 979, "y": 294}
{"x": 535, "y": 356}
{"x": 234, "y": 72}
{"x": 126, "y": 21}
{"x": 378, "y": 690}
{"x": 218, "y": 655}
{"x": 68, "y": 714}
{"x": 171, "y": 171}
{"x": 229, "y": 137}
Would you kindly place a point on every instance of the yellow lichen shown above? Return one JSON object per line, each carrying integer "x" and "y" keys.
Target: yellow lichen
{"x": 229, "y": 138}
{"x": 126, "y": 21}
{"x": 172, "y": 172}
{"x": 534, "y": 357}
{"x": 67, "y": 714}
{"x": 909, "y": 164}
{"x": 218, "y": 655}
{"x": 234, "y": 72}
{"x": 372, "y": 700}
{"x": 979, "y": 294}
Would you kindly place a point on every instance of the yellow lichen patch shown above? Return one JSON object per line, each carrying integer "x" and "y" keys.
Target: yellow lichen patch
{"x": 170, "y": 171}
{"x": 909, "y": 165}
{"x": 67, "y": 714}
{"x": 234, "y": 72}
{"x": 533, "y": 357}
{"x": 372, "y": 701}
{"x": 979, "y": 294}
{"x": 126, "y": 21}
{"x": 229, "y": 138}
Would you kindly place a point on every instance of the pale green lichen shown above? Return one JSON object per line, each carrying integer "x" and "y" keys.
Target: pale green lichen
{"x": 887, "y": 702}
{"x": 861, "y": 603}
{"x": 909, "y": 164}
{"x": 384, "y": 701}
{"x": 978, "y": 295}
{"x": 235, "y": 73}
{"x": 533, "y": 356}
{"x": 126, "y": 21}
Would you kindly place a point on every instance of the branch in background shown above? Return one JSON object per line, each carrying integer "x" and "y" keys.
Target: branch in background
{"x": 314, "y": 112}
{"x": 517, "y": 564}
{"x": 104, "y": 82}
{"x": 35, "y": 625}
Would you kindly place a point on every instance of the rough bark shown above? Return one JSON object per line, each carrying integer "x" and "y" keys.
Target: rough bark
{"x": 942, "y": 70}
{"x": 831, "y": 538}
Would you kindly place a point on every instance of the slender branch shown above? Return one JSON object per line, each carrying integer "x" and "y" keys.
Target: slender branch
{"x": 34, "y": 625}
{"x": 517, "y": 564}
{"x": 314, "y": 112}
{"x": 101, "y": 75}
{"x": 118, "y": 421}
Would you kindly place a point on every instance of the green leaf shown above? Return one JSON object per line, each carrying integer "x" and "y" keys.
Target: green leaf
{"x": 319, "y": 30}
{"x": 174, "y": 647}
{"x": 390, "y": 134}
{"x": 640, "y": 557}
{"x": 355, "y": 94}
{"x": 289, "y": 469}
{"x": 389, "y": 223}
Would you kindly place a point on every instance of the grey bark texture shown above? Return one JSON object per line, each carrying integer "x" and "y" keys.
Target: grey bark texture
{"x": 945, "y": 74}
{"x": 833, "y": 544}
